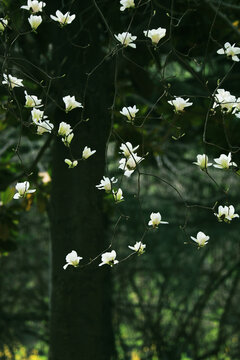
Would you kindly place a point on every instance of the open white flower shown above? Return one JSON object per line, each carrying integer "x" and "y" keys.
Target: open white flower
{"x": 71, "y": 103}
{"x": 201, "y": 239}
{"x": 156, "y": 219}
{"x": 72, "y": 259}
{"x": 106, "y": 184}
{"x": 64, "y": 129}
{"x": 63, "y": 19}
{"x": 108, "y": 258}
{"x": 126, "y": 39}
{"x": 67, "y": 139}
{"x": 129, "y": 112}
{"x": 23, "y": 189}
{"x": 224, "y": 161}
{"x": 226, "y": 213}
{"x": 87, "y": 152}
{"x": 3, "y": 24}
{"x": 35, "y": 21}
{"x": 32, "y": 101}
{"x": 12, "y": 81}
{"x": 118, "y": 195}
{"x": 128, "y": 149}
{"x": 71, "y": 164}
{"x": 34, "y": 6}
{"x": 225, "y": 100}
{"x": 129, "y": 165}
{"x": 139, "y": 247}
{"x": 37, "y": 116}
{"x": 202, "y": 162}
{"x": 230, "y": 50}
{"x": 179, "y": 103}
{"x": 155, "y": 34}
{"x": 44, "y": 126}
{"x": 126, "y": 4}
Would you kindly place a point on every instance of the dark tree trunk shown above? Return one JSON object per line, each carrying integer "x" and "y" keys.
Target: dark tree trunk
{"x": 80, "y": 299}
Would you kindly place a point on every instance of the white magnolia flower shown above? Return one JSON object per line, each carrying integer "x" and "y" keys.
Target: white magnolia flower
{"x": 201, "y": 239}
{"x": 156, "y": 219}
{"x": 35, "y": 21}
{"x": 71, "y": 103}
{"x": 155, "y": 34}
{"x": 126, "y": 39}
{"x": 12, "y": 81}
{"x": 44, "y": 126}
{"x": 34, "y": 6}
{"x": 63, "y": 19}
{"x": 179, "y": 103}
{"x": 32, "y": 101}
{"x": 109, "y": 258}
{"x": 226, "y": 213}
{"x": 71, "y": 164}
{"x": 87, "y": 152}
{"x": 224, "y": 161}
{"x": 128, "y": 149}
{"x": 3, "y": 24}
{"x": 72, "y": 259}
{"x": 129, "y": 112}
{"x": 202, "y": 162}
{"x": 64, "y": 129}
{"x": 230, "y": 50}
{"x": 129, "y": 164}
{"x": 37, "y": 116}
{"x": 106, "y": 184}
{"x": 126, "y": 4}
{"x": 118, "y": 196}
{"x": 22, "y": 190}
{"x": 139, "y": 247}
{"x": 225, "y": 100}
{"x": 67, "y": 139}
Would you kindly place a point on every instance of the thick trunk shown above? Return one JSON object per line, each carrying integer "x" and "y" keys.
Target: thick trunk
{"x": 81, "y": 299}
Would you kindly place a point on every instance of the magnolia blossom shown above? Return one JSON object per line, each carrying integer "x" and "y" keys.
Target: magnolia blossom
{"x": 126, "y": 4}
{"x": 22, "y": 190}
{"x": 126, "y": 39}
{"x": 201, "y": 239}
{"x": 129, "y": 112}
{"x": 156, "y": 220}
{"x": 109, "y": 258}
{"x": 71, "y": 103}
{"x": 130, "y": 164}
{"x": 71, "y": 164}
{"x": 67, "y": 139}
{"x": 225, "y": 100}
{"x": 155, "y": 34}
{"x": 139, "y": 247}
{"x": 72, "y": 259}
{"x": 32, "y": 101}
{"x": 106, "y": 184}
{"x": 44, "y": 126}
{"x": 118, "y": 196}
{"x": 35, "y": 21}
{"x": 34, "y": 6}
{"x": 226, "y": 213}
{"x": 224, "y": 161}
{"x": 37, "y": 116}
{"x": 179, "y": 103}
{"x": 63, "y": 19}
{"x": 128, "y": 149}
{"x": 12, "y": 81}
{"x": 3, "y": 24}
{"x": 64, "y": 129}
{"x": 202, "y": 162}
{"x": 87, "y": 152}
{"x": 230, "y": 50}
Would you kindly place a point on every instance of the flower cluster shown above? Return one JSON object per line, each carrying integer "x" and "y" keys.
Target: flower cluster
{"x": 223, "y": 162}
{"x": 131, "y": 160}
{"x": 226, "y": 213}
